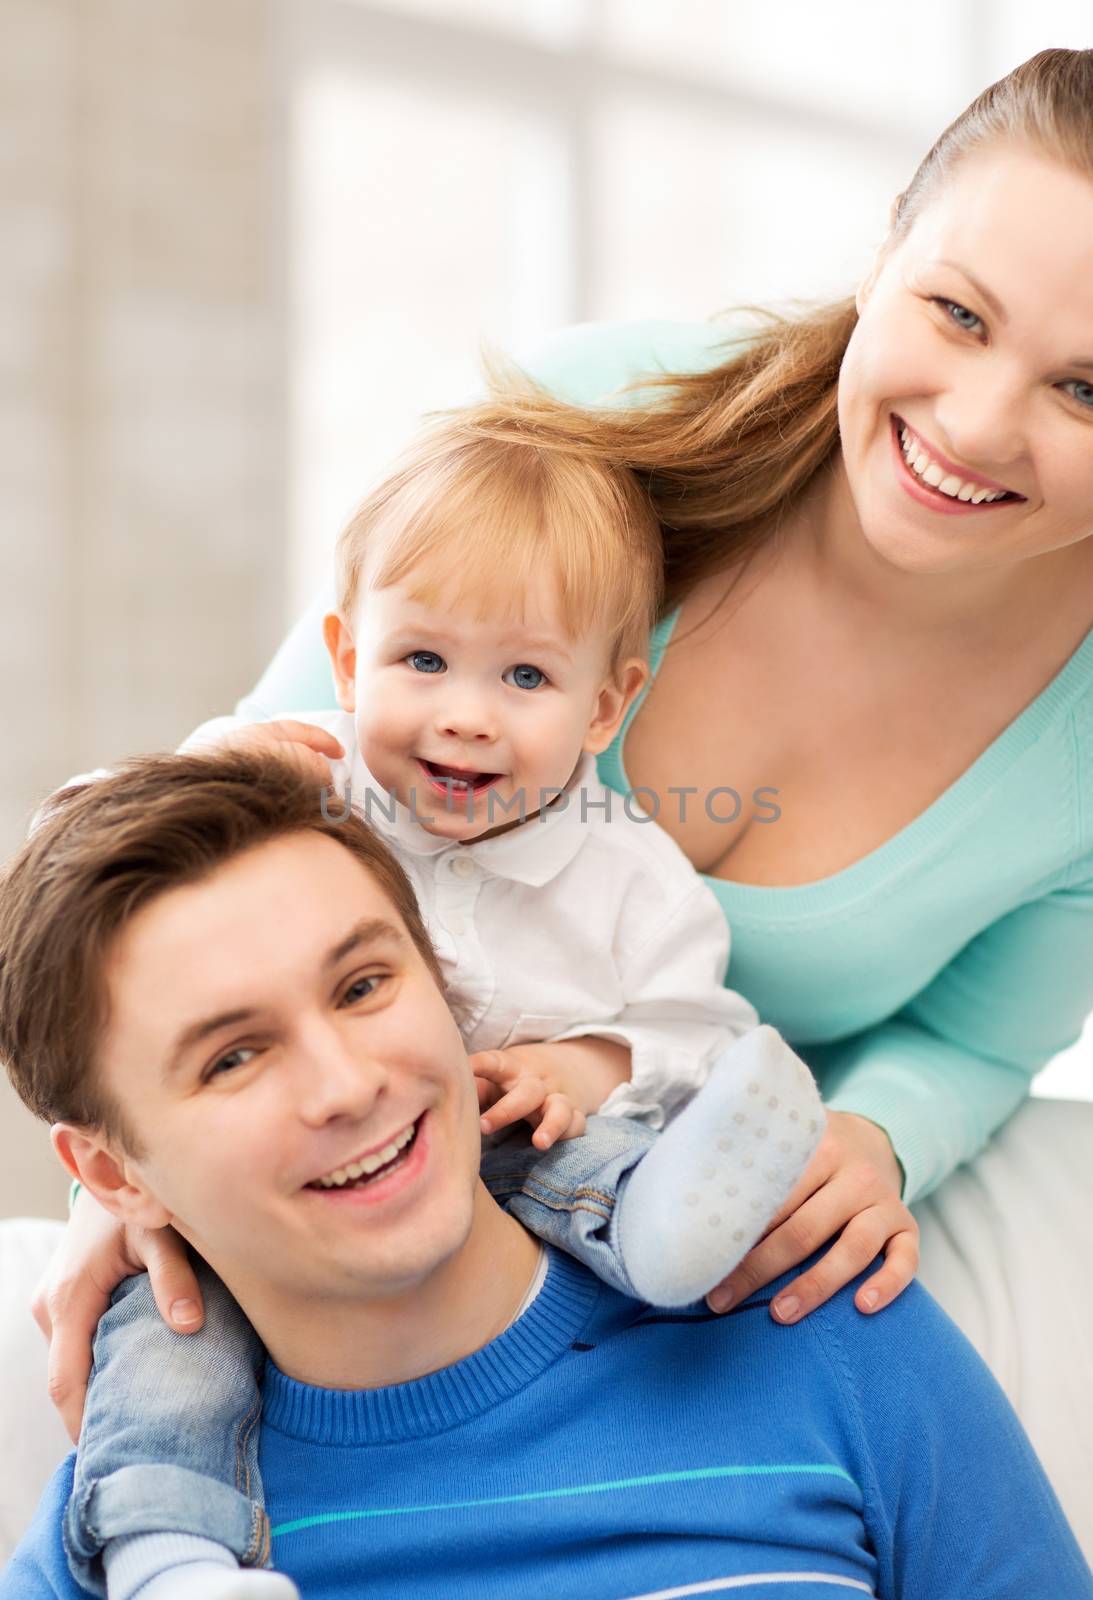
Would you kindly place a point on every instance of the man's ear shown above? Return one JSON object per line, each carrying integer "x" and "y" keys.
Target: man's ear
{"x": 108, "y": 1176}
{"x": 616, "y": 697}
{"x": 343, "y": 659}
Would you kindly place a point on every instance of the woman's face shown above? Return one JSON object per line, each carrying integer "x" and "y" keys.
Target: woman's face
{"x": 972, "y": 362}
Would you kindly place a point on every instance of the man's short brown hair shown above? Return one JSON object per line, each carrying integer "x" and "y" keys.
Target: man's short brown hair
{"x": 102, "y": 852}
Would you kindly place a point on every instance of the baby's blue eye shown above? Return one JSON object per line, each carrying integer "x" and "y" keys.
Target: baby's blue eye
{"x": 961, "y": 315}
{"x": 1081, "y": 391}
{"x": 525, "y": 677}
{"x": 426, "y": 661}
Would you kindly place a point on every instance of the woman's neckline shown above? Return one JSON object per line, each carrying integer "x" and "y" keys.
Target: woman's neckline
{"x": 907, "y": 843}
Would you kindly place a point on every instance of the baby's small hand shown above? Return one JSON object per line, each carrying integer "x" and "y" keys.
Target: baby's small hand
{"x": 307, "y": 748}
{"x": 518, "y": 1084}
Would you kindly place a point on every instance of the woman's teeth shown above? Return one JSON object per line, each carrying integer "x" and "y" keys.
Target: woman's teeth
{"x": 367, "y": 1166}
{"x": 929, "y": 471}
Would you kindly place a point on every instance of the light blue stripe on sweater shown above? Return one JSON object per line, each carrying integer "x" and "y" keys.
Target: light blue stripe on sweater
{"x": 647, "y": 1480}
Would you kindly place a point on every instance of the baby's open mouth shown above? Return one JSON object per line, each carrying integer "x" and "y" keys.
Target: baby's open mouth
{"x": 457, "y": 778}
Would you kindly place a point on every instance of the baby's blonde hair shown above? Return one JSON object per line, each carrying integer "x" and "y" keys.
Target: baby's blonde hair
{"x": 475, "y": 510}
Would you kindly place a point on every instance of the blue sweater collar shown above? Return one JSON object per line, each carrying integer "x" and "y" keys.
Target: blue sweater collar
{"x": 447, "y": 1398}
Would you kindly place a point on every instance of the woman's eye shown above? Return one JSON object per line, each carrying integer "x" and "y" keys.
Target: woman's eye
{"x": 358, "y": 991}
{"x": 234, "y": 1058}
{"x": 425, "y": 661}
{"x": 524, "y": 677}
{"x": 961, "y": 315}
{"x": 1081, "y": 390}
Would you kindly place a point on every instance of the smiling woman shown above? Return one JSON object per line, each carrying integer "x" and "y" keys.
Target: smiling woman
{"x": 968, "y": 353}
{"x": 906, "y": 663}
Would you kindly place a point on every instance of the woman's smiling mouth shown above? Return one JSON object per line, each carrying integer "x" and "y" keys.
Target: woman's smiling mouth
{"x": 935, "y": 481}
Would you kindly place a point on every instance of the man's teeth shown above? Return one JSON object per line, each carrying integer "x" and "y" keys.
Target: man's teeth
{"x": 929, "y": 471}
{"x": 367, "y": 1164}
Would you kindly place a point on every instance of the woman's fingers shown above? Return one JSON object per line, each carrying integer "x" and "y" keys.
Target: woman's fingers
{"x": 857, "y": 1245}
{"x": 39, "y": 1308}
{"x": 856, "y": 1201}
{"x": 73, "y": 1314}
{"x": 900, "y": 1265}
{"x": 848, "y": 1194}
{"x": 174, "y": 1283}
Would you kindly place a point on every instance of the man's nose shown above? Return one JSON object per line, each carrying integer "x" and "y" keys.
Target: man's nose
{"x": 335, "y": 1078}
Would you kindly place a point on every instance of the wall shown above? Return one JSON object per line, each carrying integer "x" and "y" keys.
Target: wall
{"x": 142, "y": 437}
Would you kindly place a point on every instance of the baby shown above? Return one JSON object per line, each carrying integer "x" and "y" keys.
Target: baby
{"x": 495, "y": 602}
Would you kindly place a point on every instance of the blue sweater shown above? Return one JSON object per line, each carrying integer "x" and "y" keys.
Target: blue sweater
{"x": 598, "y": 1450}
{"x": 929, "y": 982}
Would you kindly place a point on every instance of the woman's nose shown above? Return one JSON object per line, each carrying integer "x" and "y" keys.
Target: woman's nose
{"x": 983, "y": 422}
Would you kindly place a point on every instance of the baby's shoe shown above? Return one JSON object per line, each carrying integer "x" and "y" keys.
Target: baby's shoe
{"x": 182, "y": 1566}
{"x": 208, "y": 1580}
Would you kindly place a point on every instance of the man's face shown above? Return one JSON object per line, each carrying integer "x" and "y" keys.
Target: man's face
{"x": 270, "y": 1027}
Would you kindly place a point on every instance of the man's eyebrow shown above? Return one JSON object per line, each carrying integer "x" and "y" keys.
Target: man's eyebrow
{"x": 370, "y": 930}
{"x": 197, "y": 1031}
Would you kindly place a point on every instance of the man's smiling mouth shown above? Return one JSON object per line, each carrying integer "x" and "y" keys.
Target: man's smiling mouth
{"x": 367, "y": 1168}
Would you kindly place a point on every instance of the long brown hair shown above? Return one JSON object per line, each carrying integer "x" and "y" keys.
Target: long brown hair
{"x": 729, "y": 452}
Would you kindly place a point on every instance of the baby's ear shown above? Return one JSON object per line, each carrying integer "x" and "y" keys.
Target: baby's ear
{"x": 107, "y": 1174}
{"x": 616, "y": 697}
{"x": 343, "y": 658}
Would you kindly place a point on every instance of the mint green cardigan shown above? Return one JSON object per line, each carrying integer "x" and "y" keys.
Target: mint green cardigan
{"x": 927, "y": 983}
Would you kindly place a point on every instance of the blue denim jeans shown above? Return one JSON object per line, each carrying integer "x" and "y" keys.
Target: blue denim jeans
{"x": 169, "y": 1441}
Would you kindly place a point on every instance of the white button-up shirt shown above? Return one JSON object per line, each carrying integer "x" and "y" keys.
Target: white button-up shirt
{"x": 585, "y": 919}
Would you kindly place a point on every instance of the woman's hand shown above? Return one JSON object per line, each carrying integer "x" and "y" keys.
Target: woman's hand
{"x": 852, "y": 1183}
{"x": 521, "y": 1085}
{"x": 96, "y": 1253}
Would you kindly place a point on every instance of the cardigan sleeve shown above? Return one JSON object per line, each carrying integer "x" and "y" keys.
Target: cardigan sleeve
{"x": 299, "y": 676}
{"x": 948, "y": 1069}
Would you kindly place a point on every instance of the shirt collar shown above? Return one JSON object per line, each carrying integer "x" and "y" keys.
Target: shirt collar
{"x": 545, "y": 844}
{"x": 531, "y": 854}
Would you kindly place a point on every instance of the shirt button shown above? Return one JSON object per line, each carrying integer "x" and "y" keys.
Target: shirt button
{"x": 463, "y": 867}
{"x": 456, "y": 925}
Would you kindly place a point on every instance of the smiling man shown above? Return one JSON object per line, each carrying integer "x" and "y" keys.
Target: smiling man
{"x": 230, "y": 1006}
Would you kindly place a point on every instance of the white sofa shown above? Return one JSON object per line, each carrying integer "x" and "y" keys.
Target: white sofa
{"x": 1005, "y": 1249}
